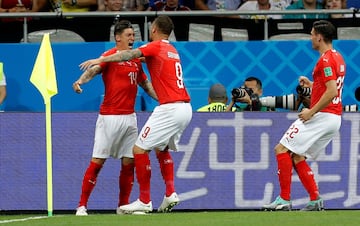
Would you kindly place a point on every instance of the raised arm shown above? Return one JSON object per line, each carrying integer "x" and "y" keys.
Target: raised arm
{"x": 85, "y": 77}
{"x": 123, "y": 55}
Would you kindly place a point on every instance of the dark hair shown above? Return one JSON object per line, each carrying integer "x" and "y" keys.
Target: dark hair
{"x": 326, "y": 29}
{"x": 121, "y": 25}
{"x": 164, "y": 24}
{"x": 258, "y": 81}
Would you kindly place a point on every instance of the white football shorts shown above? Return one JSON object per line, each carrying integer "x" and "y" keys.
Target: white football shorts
{"x": 115, "y": 136}
{"x": 310, "y": 138}
{"x": 165, "y": 126}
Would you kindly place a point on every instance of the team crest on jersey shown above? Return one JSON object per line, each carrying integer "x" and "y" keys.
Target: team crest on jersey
{"x": 328, "y": 71}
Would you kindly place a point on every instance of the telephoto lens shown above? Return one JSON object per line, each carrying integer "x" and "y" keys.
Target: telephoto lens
{"x": 305, "y": 91}
{"x": 285, "y": 101}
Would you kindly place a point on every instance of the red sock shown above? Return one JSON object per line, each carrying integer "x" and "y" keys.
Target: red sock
{"x": 126, "y": 181}
{"x": 167, "y": 171}
{"x": 284, "y": 173}
{"x": 143, "y": 175}
{"x": 306, "y": 176}
{"x": 89, "y": 182}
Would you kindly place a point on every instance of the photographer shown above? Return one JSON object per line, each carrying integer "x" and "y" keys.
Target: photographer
{"x": 217, "y": 99}
{"x": 248, "y": 95}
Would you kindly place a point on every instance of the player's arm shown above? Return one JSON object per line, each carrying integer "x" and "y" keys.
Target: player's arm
{"x": 148, "y": 88}
{"x": 89, "y": 74}
{"x": 119, "y": 56}
{"x": 330, "y": 93}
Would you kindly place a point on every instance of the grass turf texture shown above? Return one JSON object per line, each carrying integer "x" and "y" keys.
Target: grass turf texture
{"x": 212, "y": 218}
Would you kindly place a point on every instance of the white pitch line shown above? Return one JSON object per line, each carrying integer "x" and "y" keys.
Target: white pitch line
{"x": 193, "y": 194}
{"x": 21, "y": 219}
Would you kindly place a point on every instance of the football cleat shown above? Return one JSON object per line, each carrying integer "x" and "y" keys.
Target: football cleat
{"x": 316, "y": 205}
{"x": 81, "y": 211}
{"x": 278, "y": 204}
{"x": 168, "y": 203}
{"x": 136, "y": 207}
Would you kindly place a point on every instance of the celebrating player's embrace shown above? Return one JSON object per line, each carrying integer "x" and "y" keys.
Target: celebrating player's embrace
{"x": 163, "y": 129}
{"x": 316, "y": 126}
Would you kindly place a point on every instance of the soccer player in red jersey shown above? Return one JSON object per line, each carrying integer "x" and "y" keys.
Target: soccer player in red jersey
{"x": 316, "y": 125}
{"x": 163, "y": 129}
{"x": 116, "y": 126}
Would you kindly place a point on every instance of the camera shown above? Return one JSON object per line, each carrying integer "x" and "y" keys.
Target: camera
{"x": 286, "y": 102}
{"x": 304, "y": 91}
{"x": 241, "y": 92}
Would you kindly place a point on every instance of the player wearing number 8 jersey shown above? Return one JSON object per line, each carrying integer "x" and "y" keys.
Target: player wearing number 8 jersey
{"x": 316, "y": 126}
{"x": 163, "y": 129}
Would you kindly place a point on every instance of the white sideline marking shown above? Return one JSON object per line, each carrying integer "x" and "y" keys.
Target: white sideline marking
{"x": 21, "y": 219}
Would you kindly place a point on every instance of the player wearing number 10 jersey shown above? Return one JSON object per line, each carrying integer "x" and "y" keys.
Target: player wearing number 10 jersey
{"x": 316, "y": 126}
{"x": 163, "y": 129}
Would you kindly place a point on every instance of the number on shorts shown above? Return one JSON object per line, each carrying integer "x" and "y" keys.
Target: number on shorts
{"x": 146, "y": 132}
{"x": 292, "y": 131}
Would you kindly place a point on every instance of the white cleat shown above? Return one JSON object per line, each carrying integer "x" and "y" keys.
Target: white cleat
{"x": 168, "y": 203}
{"x": 81, "y": 211}
{"x": 136, "y": 207}
{"x": 119, "y": 211}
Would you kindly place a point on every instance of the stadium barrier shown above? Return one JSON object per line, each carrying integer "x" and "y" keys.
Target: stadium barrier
{"x": 225, "y": 161}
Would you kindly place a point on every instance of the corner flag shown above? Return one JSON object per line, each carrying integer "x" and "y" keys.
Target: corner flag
{"x": 43, "y": 74}
{"x": 44, "y": 79}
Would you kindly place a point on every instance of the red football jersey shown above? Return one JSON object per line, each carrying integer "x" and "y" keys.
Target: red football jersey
{"x": 163, "y": 62}
{"x": 330, "y": 66}
{"x": 121, "y": 84}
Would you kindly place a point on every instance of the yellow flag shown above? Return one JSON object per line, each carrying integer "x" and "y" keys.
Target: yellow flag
{"x": 43, "y": 75}
{"x": 1, "y": 71}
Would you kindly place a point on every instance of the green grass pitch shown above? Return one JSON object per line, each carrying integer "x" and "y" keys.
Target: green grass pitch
{"x": 197, "y": 218}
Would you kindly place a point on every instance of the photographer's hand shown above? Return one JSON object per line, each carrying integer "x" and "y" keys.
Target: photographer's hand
{"x": 246, "y": 99}
{"x": 231, "y": 105}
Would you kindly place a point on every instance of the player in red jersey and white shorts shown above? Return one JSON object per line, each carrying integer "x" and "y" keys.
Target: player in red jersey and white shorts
{"x": 166, "y": 124}
{"x": 116, "y": 126}
{"x": 316, "y": 125}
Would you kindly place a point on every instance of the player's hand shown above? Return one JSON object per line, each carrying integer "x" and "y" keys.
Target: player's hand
{"x": 76, "y": 87}
{"x": 305, "y": 114}
{"x": 89, "y": 63}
